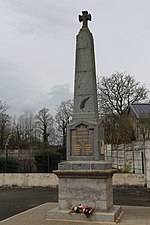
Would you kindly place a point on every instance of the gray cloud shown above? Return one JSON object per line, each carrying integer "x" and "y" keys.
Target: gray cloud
{"x": 38, "y": 43}
{"x": 33, "y": 101}
{"x": 59, "y": 93}
{"x": 8, "y": 80}
{"x": 41, "y": 18}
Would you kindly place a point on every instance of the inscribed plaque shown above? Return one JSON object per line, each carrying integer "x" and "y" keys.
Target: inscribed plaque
{"x": 82, "y": 141}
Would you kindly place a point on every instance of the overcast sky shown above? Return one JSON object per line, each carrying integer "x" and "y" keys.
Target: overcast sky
{"x": 37, "y": 47}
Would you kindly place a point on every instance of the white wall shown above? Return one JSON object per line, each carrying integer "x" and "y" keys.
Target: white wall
{"x": 118, "y": 155}
{"x": 129, "y": 179}
{"x": 29, "y": 179}
{"x": 51, "y": 180}
{"x": 147, "y": 156}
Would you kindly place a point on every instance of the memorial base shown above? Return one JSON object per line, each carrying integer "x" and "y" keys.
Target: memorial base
{"x": 89, "y": 183}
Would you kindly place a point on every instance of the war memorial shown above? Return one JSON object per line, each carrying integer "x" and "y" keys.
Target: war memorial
{"x": 85, "y": 178}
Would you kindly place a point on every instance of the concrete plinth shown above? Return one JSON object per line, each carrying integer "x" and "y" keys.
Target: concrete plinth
{"x": 87, "y": 183}
{"x": 112, "y": 215}
{"x": 85, "y": 186}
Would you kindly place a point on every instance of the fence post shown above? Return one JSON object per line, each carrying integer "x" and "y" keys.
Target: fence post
{"x": 142, "y": 162}
{"x": 133, "y": 157}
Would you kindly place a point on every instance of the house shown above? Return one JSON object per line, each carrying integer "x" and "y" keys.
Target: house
{"x": 140, "y": 117}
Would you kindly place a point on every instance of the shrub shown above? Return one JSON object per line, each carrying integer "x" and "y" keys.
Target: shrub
{"x": 2, "y": 164}
{"x": 11, "y": 165}
{"x": 62, "y": 151}
{"x": 27, "y": 166}
{"x": 126, "y": 168}
{"x": 47, "y": 161}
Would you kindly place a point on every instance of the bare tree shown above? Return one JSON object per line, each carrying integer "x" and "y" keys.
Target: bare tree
{"x": 115, "y": 94}
{"x": 3, "y": 107}
{"x": 62, "y": 118}
{"x": 23, "y": 129}
{"x": 5, "y": 124}
{"x": 44, "y": 126}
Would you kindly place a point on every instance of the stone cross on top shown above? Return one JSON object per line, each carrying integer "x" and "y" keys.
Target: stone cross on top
{"x": 85, "y": 17}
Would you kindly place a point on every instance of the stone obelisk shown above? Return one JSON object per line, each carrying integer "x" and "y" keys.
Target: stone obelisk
{"x": 85, "y": 178}
{"x": 85, "y": 135}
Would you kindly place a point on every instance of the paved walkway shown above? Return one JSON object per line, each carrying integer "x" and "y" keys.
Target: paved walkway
{"x": 132, "y": 215}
